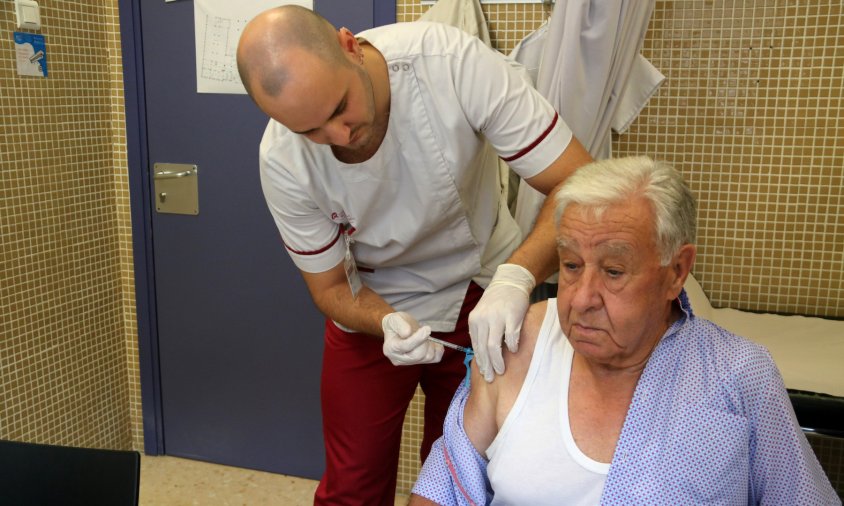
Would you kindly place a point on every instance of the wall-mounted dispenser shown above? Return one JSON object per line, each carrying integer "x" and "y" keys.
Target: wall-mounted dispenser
{"x": 28, "y": 14}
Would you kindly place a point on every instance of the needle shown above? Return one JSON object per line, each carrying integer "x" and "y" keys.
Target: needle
{"x": 470, "y": 353}
{"x": 450, "y": 345}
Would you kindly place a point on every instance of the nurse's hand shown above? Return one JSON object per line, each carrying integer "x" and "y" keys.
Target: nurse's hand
{"x": 406, "y": 343}
{"x": 500, "y": 312}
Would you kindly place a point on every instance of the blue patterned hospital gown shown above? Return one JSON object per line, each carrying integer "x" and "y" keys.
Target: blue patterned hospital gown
{"x": 710, "y": 422}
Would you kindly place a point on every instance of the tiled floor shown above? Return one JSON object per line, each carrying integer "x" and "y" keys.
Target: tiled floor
{"x": 171, "y": 481}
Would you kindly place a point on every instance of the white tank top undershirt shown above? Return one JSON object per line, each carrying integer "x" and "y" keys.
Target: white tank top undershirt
{"x": 534, "y": 459}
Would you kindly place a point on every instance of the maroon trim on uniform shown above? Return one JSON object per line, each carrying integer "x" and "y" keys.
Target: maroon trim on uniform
{"x": 534, "y": 143}
{"x": 317, "y": 252}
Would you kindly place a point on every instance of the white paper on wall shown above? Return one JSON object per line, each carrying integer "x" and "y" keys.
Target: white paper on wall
{"x": 218, "y": 25}
{"x": 31, "y": 54}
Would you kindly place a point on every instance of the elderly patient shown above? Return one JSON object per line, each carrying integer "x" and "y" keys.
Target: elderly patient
{"x": 618, "y": 393}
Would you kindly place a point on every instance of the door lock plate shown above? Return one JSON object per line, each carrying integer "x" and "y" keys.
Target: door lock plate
{"x": 176, "y": 188}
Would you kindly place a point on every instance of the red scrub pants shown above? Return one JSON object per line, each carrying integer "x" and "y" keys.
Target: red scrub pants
{"x": 364, "y": 400}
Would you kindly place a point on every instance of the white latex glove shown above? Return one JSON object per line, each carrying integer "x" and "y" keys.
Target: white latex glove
{"x": 406, "y": 343}
{"x": 500, "y": 312}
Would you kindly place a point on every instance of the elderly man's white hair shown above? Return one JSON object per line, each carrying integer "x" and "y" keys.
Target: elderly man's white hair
{"x": 604, "y": 183}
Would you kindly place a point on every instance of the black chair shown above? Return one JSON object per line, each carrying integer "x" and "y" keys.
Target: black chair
{"x": 46, "y": 475}
{"x": 822, "y": 418}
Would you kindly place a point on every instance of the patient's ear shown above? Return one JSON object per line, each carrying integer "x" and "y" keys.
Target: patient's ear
{"x": 681, "y": 265}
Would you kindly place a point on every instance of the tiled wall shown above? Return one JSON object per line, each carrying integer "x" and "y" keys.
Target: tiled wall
{"x": 750, "y": 114}
{"x": 508, "y": 23}
{"x": 68, "y": 359}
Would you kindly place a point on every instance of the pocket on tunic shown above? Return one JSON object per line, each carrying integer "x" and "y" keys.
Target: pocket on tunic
{"x": 708, "y": 456}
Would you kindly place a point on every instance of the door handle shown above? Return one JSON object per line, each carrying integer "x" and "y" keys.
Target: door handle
{"x": 167, "y": 174}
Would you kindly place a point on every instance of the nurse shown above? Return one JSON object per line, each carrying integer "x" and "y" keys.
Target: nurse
{"x": 376, "y": 170}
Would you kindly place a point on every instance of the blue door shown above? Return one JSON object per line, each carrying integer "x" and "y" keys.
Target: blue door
{"x": 239, "y": 341}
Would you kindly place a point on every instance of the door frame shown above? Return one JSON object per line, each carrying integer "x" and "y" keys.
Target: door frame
{"x": 140, "y": 207}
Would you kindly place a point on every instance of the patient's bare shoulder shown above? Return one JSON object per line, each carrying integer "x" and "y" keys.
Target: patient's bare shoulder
{"x": 533, "y": 321}
{"x": 527, "y": 339}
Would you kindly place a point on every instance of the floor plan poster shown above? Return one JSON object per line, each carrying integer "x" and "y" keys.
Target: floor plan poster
{"x": 218, "y": 26}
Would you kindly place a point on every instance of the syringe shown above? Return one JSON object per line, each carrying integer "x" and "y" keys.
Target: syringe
{"x": 450, "y": 345}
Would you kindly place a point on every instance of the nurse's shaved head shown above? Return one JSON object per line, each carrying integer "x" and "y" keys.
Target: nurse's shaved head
{"x": 264, "y": 47}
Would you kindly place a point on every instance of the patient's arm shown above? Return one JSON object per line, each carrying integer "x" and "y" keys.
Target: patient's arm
{"x": 479, "y": 419}
{"x": 418, "y": 500}
{"x": 490, "y": 403}
{"x": 455, "y": 471}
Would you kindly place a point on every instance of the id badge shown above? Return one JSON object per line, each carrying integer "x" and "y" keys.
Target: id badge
{"x": 351, "y": 269}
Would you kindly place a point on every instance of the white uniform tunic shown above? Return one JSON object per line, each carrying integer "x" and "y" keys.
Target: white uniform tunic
{"x": 425, "y": 210}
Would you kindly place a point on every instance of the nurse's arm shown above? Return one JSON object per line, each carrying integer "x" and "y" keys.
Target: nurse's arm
{"x": 333, "y": 297}
{"x": 538, "y": 252}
